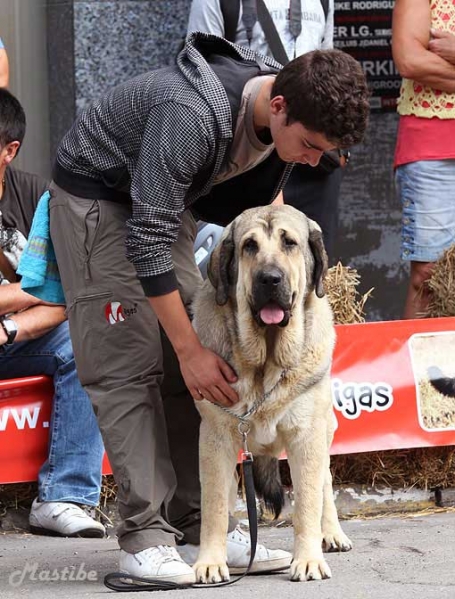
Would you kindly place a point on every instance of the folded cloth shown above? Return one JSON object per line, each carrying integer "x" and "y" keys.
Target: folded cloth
{"x": 38, "y": 264}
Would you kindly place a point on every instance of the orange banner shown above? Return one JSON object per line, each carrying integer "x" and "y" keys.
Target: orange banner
{"x": 381, "y": 389}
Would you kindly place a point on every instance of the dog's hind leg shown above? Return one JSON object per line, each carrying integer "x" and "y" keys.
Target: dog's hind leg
{"x": 333, "y": 537}
{"x": 217, "y": 459}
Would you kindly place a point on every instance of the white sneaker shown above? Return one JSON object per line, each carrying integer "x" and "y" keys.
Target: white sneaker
{"x": 63, "y": 519}
{"x": 238, "y": 549}
{"x": 160, "y": 563}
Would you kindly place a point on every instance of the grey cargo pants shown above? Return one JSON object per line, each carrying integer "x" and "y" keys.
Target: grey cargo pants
{"x": 147, "y": 417}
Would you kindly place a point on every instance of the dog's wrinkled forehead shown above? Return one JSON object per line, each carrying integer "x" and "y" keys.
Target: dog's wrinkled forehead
{"x": 260, "y": 233}
{"x": 269, "y": 220}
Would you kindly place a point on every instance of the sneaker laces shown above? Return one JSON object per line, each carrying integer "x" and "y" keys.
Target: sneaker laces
{"x": 239, "y": 535}
{"x": 162, "y": 554}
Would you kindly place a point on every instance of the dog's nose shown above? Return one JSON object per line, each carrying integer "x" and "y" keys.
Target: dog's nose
{"x": 271, "y": 277}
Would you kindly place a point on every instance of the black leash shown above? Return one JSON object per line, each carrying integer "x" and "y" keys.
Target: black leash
{"x": 247, "y": 469}
{"x": 119, "y": 581}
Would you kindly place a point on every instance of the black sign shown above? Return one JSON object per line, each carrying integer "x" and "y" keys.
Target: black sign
{"x": 363, "y": 28}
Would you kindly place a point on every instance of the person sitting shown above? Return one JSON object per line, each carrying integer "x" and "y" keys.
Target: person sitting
{"x": 35, "y": 340}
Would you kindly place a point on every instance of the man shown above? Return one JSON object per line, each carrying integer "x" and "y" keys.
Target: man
{"x": 302, "y": 26}
{"x": 214, "y": 134}
{"x": 424, "y": 52}
{"x": 34, "y": 340}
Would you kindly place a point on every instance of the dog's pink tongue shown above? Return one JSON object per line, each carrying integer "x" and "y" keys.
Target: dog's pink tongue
{"x": 271, "y": 314}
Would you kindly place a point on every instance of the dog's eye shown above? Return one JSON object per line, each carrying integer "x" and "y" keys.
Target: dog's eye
{"x": 288, "y": 242}
{"x": 250, "y": 246}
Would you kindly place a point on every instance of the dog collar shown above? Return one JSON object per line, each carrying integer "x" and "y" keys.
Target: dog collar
{"x": 258, "y": 403}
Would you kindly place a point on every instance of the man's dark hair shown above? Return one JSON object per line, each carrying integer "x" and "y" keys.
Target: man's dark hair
{"x": 12, "y": 118}
{"x": 326, "y": 91}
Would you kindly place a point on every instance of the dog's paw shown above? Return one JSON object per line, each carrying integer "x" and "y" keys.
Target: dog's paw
{"x": 211, "y": 573}
{"x": 310, "y": 569}
{"x": 336, "y": 541}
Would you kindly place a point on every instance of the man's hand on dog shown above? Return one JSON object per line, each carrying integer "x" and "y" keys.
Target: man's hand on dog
{"x": 208, "y": 376}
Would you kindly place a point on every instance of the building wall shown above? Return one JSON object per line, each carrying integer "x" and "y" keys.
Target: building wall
{"x": 96, "y": 44}
{"x": 370, "y": 220}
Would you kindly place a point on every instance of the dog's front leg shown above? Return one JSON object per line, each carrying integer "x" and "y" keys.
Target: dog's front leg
{"x": 333, "y": 537}
{"x": 217, "y": 460}
{"x": 307, "y": 452}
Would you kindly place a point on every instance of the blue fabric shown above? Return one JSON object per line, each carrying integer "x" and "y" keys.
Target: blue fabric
{"x": 425, "y": 189}
{"x": 38, "y": 265}
{"x": 2, "y": 45}
{"x": 72, "y": 471}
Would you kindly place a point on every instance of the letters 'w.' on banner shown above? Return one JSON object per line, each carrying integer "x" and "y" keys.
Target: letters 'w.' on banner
{"x": 25, "y": 418}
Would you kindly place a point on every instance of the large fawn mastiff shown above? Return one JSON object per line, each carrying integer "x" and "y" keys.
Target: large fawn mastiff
{"x": 264, "y": 311}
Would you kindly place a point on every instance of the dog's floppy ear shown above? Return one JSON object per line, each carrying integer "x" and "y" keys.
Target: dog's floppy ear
{"x": 321, "y": 262}
{"x": 220, "y": 271}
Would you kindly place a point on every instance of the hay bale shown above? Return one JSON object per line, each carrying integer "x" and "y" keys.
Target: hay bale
{"x": 16, "y": 496}
{"x": 423, "y": 468}
{"x": 345, "y": 300}
{"x": 442, "y": 286}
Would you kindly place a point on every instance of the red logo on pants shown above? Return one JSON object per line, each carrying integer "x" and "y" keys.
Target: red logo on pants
{"x": 114, "y": 312}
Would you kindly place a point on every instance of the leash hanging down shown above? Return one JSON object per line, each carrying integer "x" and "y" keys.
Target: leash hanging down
{"x": 120, "y": 581}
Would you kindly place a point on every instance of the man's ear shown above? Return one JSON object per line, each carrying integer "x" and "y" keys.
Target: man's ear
{"x": 277, "y": 104}
{"x": 9, "y": 152}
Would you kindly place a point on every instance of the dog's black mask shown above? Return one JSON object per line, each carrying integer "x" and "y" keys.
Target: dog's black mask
{"x": 272, "y": 297}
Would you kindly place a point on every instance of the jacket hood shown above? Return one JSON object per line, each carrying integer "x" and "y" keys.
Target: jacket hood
{"x": 194, "y": 63}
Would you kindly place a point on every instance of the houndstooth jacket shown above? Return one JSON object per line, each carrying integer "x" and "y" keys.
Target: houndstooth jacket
{"x": 157, "y": 141}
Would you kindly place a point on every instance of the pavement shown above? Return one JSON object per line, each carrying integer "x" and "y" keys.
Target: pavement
{"x": 393, "y": 558}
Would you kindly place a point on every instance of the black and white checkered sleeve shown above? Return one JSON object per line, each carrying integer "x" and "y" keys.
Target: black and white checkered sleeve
{"x": 176, "y": 145}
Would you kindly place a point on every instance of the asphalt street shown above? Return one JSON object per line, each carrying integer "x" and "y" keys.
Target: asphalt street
{"x": 393, "y": 558}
